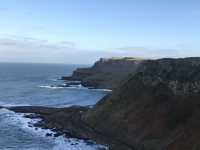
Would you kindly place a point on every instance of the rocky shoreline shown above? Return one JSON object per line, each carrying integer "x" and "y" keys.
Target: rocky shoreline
{"x": 56, "y": 119}
{"x": 67, "y": 122}
{"x": 157, "y": 107}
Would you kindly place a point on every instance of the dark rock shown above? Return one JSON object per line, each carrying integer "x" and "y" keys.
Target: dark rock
{"x": 74, "y": 143}
{"x": 54, "y": 130}
{"x": 32, "y": 116}
{"x": 58, "y": 134}
{"x": 30, "y": 125}
{"x": 48, "y": 134}
{"x": 89, "y": 142}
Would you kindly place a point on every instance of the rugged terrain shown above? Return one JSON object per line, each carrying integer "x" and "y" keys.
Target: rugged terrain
{"x": 155, "y": 108}
{"x": 106, "y": 73}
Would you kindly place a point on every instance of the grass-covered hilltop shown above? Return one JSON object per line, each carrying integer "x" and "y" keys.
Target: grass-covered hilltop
{"x": 155, "y": 105}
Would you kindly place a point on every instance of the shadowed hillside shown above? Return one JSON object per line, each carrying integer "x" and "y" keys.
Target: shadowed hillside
{"x": 157, "y": 108}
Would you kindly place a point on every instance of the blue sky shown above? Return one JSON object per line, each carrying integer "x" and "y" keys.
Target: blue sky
{"x": 81, "y": 31}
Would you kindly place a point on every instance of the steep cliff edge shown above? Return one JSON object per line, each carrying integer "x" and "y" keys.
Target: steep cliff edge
{"x": 106, "y": 73}
{"x": 156, "y": 108}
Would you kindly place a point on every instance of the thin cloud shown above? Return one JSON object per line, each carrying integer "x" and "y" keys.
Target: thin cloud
{"x": 67, "y": 43}
{"x": 20, "y": 42}
{"x": 7, "y": 42}
{"x": 139, "y": 51}
{"x": 132, "y": 48}
{"x": 28, "y": 49}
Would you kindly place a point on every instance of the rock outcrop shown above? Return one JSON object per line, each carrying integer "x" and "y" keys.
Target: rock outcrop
{"x": 106, "y": 73}
{"x": 157, "y": 108}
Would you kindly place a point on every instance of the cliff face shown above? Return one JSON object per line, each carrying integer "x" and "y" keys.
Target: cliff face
{"x": 106, "y": 73}
{"x": 157, "y": 108}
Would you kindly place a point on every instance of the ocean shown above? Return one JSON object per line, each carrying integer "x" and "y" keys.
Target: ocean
{"x": 39, "y": 85}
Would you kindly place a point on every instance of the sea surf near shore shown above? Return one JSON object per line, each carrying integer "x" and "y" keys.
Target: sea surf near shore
{"x": 23, "y": 85}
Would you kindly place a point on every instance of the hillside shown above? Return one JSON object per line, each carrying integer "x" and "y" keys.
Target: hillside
{"x": 156, "y": 108}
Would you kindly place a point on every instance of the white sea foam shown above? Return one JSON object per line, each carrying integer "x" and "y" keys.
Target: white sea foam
{"x": 60, "y": 143}
{"x": 54, "y": 79}
{"x": 74, "y": 144}
{"x": 12, "y": 105}
{"x": 78, "y": 86}
{"x": 19, "y": 120}
{"x": 51, "y": 87}
{"x": 105, "y": 90}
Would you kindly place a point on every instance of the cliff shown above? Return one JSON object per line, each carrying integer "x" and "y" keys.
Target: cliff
{"x": 106, "y": 73}
{"x": 156, "y": 108}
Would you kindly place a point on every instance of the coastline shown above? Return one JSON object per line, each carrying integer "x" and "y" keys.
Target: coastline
{"x": 65, "y": 122}
{"x": 31, "y": 123}
{"x": 155, "y": 108}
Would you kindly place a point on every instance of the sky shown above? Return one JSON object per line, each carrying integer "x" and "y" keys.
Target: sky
{"x": 82, "y": 31}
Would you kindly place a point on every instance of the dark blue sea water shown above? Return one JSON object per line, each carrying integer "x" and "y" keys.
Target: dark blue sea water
{"x": 38, "y": 85}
